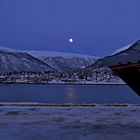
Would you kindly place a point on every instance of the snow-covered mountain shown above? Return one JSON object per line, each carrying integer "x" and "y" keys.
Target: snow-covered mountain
{"x": 12, "y": 60}
{"x": 95, "y": 71}
{"x": 131, "y": 50}
{"x": 122, "y": 54}
{"x": 16, "y": 60}
{"x": 64, "y": 61}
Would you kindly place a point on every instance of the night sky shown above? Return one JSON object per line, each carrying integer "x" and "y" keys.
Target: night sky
{"x": 98, "y": 27}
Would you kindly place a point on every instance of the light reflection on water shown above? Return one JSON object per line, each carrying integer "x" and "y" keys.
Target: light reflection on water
{"x": 70, "y": 95}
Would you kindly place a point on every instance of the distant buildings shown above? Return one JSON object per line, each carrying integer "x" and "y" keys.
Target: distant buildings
{"x": 75, "y": 77}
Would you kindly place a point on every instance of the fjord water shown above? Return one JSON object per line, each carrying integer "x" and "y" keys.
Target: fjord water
{"x": 61, "y": 94}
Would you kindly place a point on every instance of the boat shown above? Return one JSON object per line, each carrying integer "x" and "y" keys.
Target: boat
{"x": 126, "y": 65}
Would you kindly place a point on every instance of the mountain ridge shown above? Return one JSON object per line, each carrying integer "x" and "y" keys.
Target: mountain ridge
{"x": 64, "y": 61}
{"x": 20, "y": 61}
{"x": 59, "y": 61}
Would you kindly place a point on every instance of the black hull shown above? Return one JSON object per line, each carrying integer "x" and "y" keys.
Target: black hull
{"x": 129, "y": 73}
{"x": 127, "y": 67}
{"x": 126, "y": 64}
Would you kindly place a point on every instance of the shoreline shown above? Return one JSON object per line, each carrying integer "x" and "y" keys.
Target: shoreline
{"x": 98, "y": 83}
{"x": 20, "y": 104}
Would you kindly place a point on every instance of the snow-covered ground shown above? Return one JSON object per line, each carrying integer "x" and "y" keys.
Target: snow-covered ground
{"x": 70, "y": 123}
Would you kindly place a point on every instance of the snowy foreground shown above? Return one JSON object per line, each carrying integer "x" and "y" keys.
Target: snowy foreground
{"x": 69, "y": 123}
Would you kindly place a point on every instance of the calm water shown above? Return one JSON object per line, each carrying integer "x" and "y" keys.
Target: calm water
{"x": 68, "y": 94}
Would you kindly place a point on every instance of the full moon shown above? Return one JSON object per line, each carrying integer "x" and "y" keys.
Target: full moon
{"x": 70, "y": 40}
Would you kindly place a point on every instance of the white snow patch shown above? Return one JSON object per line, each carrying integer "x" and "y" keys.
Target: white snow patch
{"x": 57, "y": 54}
{"x": 38, "y": 53}
{"x": 8, "y": 49}
{"x": 121, "y": 49}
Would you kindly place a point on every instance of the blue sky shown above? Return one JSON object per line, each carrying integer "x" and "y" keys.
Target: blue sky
{"x": 98, "y": 27}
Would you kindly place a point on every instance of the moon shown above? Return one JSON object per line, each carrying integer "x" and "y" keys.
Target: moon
{"x": 71, "y": 40}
